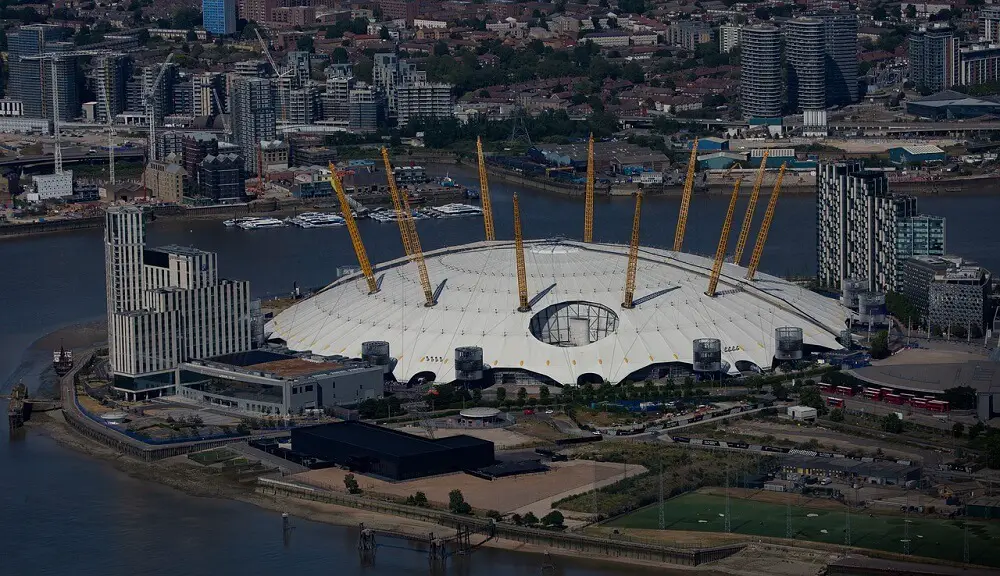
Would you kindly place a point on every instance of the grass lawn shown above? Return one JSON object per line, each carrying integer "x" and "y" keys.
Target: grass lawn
{"x": 932, "y": 537}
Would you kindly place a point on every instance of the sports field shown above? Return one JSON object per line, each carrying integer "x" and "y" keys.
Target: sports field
{"x": 935, "y": 538}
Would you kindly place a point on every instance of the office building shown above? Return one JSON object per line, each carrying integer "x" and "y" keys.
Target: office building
{"x": 959, "y": 297}
{"x": 806, "y": 50}
{"x": 989, "y": 23}
{"x": 367, "y": 107}
{"x": 864, "y": 231}
{"x": 222, "y": 178}
{"x": 165, "y": 180}
{"x": 424, "y": 100}
{"x": 934, "y": 58}
{"x": 760, "y": 78}
{"x": 219, "y": 16}
{"x": 841, "y": 31}
{"x": 252, "y": 117}
{"x": 31, "y": 81}
{"x": 729, "y": 37}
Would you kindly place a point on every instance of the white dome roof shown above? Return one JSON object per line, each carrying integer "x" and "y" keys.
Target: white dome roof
{"x": 477, "y": 306}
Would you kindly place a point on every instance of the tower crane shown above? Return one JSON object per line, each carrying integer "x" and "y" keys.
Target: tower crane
{"x": 741, "y": 242}
{"x": 633, "y": 254}
{"x": 765, "y": 225}
{"x": 588, "y": 210}
{"x": 149, "y": 101}
{"x": 279, "y": 75}
{"x": 484, "y": 192}
{"x": 352, "y": 229}
{"x": 222, "y": 114}
{"x": 522, "y": 276}
{"x": 411, "y": 231}
{"x": 720, "y": 252}
{"x": 106, "y": 90}
{"x": 404, "y": 233}
{"x": 682, "y": 217}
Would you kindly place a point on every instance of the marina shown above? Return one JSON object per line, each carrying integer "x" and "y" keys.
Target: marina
{"x": 330, "y": 220}
{"x": 316, "y": 220}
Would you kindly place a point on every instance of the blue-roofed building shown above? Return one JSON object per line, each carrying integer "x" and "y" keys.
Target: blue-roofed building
{"x": 711, "y": 143}
{"x": 219, "y": 16}
{"x": 721, "y": 160}
{"x": 952, "y": 105}
{"x": 917, "y": 154}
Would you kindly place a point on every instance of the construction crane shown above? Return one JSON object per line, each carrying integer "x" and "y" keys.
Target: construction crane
{"x": 279, "y": 75}
{"x": 222, "y": 114}
{"x": 729, "y": 170}
{"x": 682, "y": 217}
{"x": 633, "y": 254}
{"x": 397, "y": 204}
{"x": 720, "y": 252}
{"x": 411, "y": 231}
{"x": 522, "y": 275}
{"x": 741, "y": 242}
{"x": 352, "y": 229}
{"x": 149, "y": 100}
{"x": 764, "y": 226}
{"x": 106, "y": 93}
{"x": 588, "y": 210}
{"x": 484, "y": 192}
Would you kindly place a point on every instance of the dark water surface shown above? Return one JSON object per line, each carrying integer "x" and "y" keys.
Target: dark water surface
{"x": 64, "y": 513}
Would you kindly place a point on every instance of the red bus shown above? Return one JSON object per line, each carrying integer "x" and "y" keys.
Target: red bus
{"x": 938, "y": 406}
{"x": 835, "y": 402}
{"x": 894, "y": 399}
{"x": 919, "y": 403}
{"x": 873, "y": 394}
{"x": 887, "y": 391}
{"x": 845, "y": 390}
{"x": 827, "y": 388}
{"x": 907, "y": 397}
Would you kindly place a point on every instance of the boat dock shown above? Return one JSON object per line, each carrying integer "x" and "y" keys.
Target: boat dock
{"x": 16, "y": 407}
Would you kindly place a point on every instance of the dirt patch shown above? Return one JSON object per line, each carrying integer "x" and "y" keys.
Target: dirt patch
{"x": 503, "y": 494}
{"x": 539, "y": 429}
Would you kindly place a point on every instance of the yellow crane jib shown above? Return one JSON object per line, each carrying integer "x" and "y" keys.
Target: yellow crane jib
{"x": 741, "y": 242}
{"x": 765, "y": 226}
{"x": 682, "y": 217}
{"x": 484, "y": 192}
{"x": 720, "y": 252}
{"x": 352, "y": 229}
{"x": 633, "y": 254}
{"x": 522, "y": 276}
{"x": 409, "y": 229}
{"x": 397, "y": 204}
{"x": 588, "y": 209}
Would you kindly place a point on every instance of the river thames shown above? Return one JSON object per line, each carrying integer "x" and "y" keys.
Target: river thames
{"x": 65, "y": 513}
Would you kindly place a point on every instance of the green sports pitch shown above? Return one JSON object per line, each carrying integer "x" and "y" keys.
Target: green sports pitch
{"x": 931, "y": 537}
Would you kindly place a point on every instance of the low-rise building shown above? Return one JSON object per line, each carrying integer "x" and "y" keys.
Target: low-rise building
{"x": 165, "y": 181}
{"x": 917, "y": 154}
{"x": 222, "y": 179}
{"x": 802, "y": 413}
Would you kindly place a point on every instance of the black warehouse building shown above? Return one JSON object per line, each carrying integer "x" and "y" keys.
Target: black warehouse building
{"x": 390, "y": 453}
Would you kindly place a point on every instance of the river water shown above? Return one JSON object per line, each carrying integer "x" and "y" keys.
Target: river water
{"x": 68, "y": 514}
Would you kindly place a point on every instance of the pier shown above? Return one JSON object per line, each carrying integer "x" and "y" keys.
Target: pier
{"x": 438, "y": 549}
{"x": 16, "y": 407}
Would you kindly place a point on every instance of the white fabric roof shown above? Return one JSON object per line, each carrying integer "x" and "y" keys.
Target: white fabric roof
{"x": 477, "y": 307}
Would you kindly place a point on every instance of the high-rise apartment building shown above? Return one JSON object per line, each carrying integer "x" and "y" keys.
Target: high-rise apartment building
{"x": 688, "y": 34}
{"x": 729, "y": 37}
{"x": 366, "y": 108}
{"x": 806, "y": 49}
{"x": 989, "y": 23}
{"x": 934, "y": 58}
{"x": 303, "y": 105}
{"x": 980, "y": 64}
{"x": 424, "y": 100}
{"x": 110, "y": 80}
{"x": 219, "y": 16}
{"x": 389, "y": 73}
{"x": 205, "y": 88}
{"x": 336, "y": 100}
{"x": 760, "y": 77}
{"x": 253, "y": 117}
{"x": 841, "y": 31}
{"x": 865, "y": 232}
{"x": 31, "y": 81}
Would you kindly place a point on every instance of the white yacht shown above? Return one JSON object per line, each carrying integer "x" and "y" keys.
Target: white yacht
{"x": 456, "y": 210}
{"x": 261, "y": 223}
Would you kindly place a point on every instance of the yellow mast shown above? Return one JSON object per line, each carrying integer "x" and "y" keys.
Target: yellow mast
{"x": 352, "y": 229}
{"x": 588, "y": 210}
{"x": 410, "y": 230}
{"x": 720, "y": 252}
{"x": 397, "y": 204}
{"x": 522, "y": 276}
{"x": 741, "y": 243}
{"x": 758, "y": 248}
{"x": 484, "y": 192}
{"x": 682, "y": 218}
{"x": 633, "y": 254}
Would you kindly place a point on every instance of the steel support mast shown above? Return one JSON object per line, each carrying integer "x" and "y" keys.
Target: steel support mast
{"x": 352, "y": 229}
{"x": 758, "y": 248}
{"x": 411, "y": 231}
{"x": 588, "y": 210}
{"x": 741, "y": 242}
{"x": 397, "y": 204}
{"x": 720, "y": 252}
{"x": 682, "y": 217}
{"x": 484, "y": 192}
{"x": 522, "y": 276}
{"x": 633, "y": 254}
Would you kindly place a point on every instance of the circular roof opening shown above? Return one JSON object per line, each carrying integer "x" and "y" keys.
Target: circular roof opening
{"x": 569, "y": 324}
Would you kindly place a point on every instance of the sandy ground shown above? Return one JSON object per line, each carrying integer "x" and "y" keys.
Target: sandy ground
{"x": 827, "y": 438}
{"x": 502, "y": 439}
{"x": 503, "y": 494}
{"x": 953, "y": 355}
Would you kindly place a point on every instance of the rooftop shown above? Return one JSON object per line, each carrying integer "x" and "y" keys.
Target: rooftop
{"x": 283, "y": 366}
{"x": 385, "y": 440}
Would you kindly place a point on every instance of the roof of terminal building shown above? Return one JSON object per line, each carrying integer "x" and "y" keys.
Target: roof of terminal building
{"x": 385, "y": 440}
{"x": 982, "y": 375}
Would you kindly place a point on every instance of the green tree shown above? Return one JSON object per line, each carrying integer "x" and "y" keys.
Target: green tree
{"x": 960, "y": 397}
{"x": 992, "y": 448}
{"x": 880, "y": 345}
{"x": 911, "y": 11}
{"x": 779, "y": 390}
{"x": 383, "y": 33}
{"x": 892, "y": 424}
{"x": 522, "y": 394}
{"x": 477, "y": 395}
{"x": 305, "y": 44}
{"x": 501, "y": 394}
{"x": 339, "y": 55}
{"x": 441, "y": 48}
{"x": 811, "y": 397}
{"x": 976, "y": 430}
{"x": 837, "y": 415}
{"x": 543, "y": 393}
{"x": 457, "y": 503}
{"x": 554, "y": 519}
{"x": 530, "y": 519}
{"x": 186, "y": 18}
{"x": 351, "y": 483}
{"x": 957, "y": 429}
